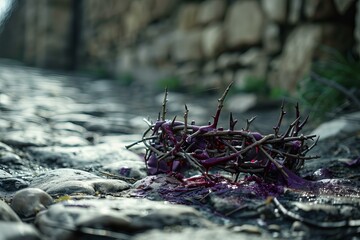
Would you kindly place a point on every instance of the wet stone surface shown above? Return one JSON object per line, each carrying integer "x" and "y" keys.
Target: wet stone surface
{"x": 125, "y": 216}
{"x": 65, "y": 172}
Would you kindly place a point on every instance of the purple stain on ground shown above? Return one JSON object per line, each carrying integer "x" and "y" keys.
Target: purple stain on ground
{"x": 198, "y": 190}
{"x": 192, "y": 190}
{"x": 294, "y": 181}
{"x": 273, "y": 161}
{"x": 125, "y": 171}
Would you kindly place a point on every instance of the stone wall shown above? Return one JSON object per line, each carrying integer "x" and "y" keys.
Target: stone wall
{"x": 203, "y": 42}
{"x": 48, "y": 33}
{"x": 214, "y": 41}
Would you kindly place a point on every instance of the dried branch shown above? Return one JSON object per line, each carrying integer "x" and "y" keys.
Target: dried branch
{"x": 320, "y": 224}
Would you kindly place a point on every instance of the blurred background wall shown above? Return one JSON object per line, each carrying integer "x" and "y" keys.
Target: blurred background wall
{"x": 204, "y": 42}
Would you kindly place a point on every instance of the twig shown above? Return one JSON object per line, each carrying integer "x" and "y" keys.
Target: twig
{"x": 140, "y": 141}
{"x": 131, "y": 180}
{"x": 320, "y": 224}
{"x": 235, "y": 210}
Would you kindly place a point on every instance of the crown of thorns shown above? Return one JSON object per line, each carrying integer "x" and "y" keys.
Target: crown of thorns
{"x": 176, "y": 146}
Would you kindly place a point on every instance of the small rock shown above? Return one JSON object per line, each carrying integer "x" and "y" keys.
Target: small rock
{"x": 122, "y": 215}
{"x": 27, "y": 138}
{"x": 14, "y": 231}
{"x": 83, "y": 156}
{"x": 247, "y": 228}
{"x": 274, "y": 228}
{"x": 299, "y": 227}
{"x": 339, "y": 128}
{"x": 7, "y": 214}
{"x": 70, "y": 181}
{"x": 29, "y": 201}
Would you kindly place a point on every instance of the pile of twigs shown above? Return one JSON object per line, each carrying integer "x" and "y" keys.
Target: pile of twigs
{"x": 175, "y": 146}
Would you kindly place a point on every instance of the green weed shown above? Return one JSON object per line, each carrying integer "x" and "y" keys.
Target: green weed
{"x": 327, "y": 90}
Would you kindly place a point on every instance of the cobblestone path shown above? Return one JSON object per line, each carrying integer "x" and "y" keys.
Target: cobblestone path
{"x": 65, "y": 173}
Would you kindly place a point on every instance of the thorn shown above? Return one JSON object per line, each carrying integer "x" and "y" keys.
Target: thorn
{"x": 173, "y": 121}
{"x": 185, "y": 121}
{"x": 164, "y": 105}
{"x": 147, "y": 122}
{"x": 232, "y": 122}
{"x": 281, "y": 117}
{"x": 220, "y": 105}
{"x": 305, "y": 121}
{"x": 252, "y": 119}
{"x": 248, "y": 123}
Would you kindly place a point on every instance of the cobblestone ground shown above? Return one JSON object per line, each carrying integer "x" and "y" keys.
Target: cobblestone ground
{"x": 65, "y": 173}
